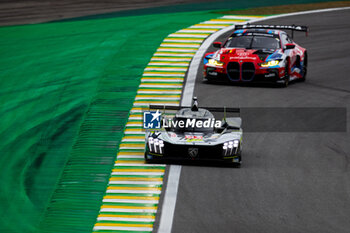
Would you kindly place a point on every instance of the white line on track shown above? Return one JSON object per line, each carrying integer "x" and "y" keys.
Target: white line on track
{"x": 168, "y": 209}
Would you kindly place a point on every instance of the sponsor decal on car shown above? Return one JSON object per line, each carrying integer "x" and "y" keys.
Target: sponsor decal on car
{"x": 193, "y": 138}
{"x": 213, "y": 73}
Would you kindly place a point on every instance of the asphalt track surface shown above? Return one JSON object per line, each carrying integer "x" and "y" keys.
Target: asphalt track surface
{"x": 290, "y": 181}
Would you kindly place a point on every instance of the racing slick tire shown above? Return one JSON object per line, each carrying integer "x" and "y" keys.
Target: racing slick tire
{"x": 147, "y": 160}
{"x": 238, "y": 164}
{"x": 303, "y": 78}
{"x": 208, "y": 81}
{"x": 286, "y": 76}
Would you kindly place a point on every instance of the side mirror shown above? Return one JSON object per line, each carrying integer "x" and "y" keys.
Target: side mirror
{"x": 234, "y": 123}
{"x": 289, "y": 46}
{"x": 217, "y": 44}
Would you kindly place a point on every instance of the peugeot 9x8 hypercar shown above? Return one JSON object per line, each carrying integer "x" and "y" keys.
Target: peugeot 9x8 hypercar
{"x": 193, "y": 134}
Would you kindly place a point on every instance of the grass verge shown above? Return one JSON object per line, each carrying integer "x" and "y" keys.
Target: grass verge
{"x": 56, "y": 79}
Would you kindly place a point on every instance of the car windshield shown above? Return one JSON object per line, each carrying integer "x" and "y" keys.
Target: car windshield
{"x": 253, "y": 42}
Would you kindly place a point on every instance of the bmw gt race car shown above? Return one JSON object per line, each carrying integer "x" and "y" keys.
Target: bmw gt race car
{"x": 258, "y": 53}
{"x": 201, "y": 137}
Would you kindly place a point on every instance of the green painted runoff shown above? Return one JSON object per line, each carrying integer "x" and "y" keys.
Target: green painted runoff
{"x": 66, "y": 89}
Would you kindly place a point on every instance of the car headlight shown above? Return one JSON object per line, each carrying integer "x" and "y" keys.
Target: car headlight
{"x": 215, "y": 62}
{"x": 270, "y": 63}
{"x": 230, "y": 147}
{"x": 156, "y": 145}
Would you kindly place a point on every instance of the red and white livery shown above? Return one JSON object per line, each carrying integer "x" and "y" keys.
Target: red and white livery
{"x": 262, "y": 53}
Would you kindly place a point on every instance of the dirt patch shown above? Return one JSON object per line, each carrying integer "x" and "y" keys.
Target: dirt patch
{"x": 287, "y": 8}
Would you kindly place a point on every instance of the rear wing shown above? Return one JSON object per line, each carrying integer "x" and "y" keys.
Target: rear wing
{"x": 211, "y": 109}
{"x": 293, "y": 27}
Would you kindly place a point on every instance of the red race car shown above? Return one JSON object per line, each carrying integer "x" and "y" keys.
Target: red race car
{"x": 258, "y": 53}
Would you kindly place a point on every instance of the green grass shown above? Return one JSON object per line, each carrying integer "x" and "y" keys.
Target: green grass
{"x": 55, "y": 79}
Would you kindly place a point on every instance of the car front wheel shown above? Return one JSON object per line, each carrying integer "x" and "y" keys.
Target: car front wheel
{"x": 304, "y": 68}
{"x": 286, "y": 76}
